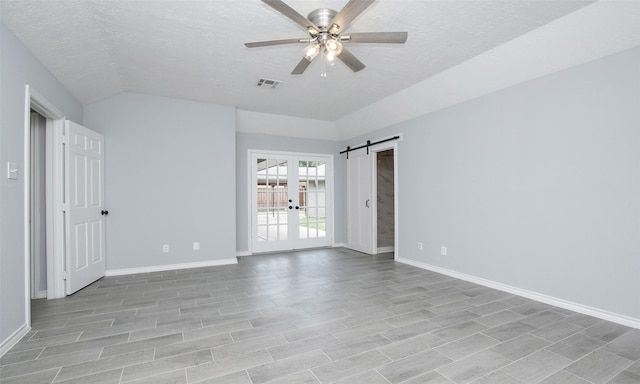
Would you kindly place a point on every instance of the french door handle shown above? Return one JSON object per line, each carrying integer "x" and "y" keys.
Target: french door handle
{"x": 290, "y": 207}
{"x": 366, "y": 203}
{"x": 103, "y": 213}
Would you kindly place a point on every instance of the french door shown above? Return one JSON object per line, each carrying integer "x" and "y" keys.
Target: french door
{"x": 291, "y": 201}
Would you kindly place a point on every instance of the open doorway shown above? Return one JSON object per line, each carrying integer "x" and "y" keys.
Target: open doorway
{"x": 385, "y": 200}
{"x": 38, "y": 206}
{"x": 43, "y": 226}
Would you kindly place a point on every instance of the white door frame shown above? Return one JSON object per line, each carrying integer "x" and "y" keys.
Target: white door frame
{"x": 54, "y": 196}
{"x": 251, "y": 196}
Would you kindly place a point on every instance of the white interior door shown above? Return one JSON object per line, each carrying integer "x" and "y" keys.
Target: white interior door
{"x": 290, "y": 201}
{"x": 360, "y": 227}
{"x": 84, "y": 203}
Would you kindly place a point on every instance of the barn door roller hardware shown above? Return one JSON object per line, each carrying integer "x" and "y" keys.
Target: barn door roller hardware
{"x": 369, "y": 144}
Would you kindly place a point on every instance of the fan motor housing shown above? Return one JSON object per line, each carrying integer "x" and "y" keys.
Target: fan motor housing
{"x": 322, "y": 17}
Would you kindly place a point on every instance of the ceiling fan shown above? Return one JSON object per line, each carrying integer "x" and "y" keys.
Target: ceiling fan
{"x": 325, "y": 27}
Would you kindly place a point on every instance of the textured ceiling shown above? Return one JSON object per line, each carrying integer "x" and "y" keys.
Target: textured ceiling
{"x": 194, "y": 49}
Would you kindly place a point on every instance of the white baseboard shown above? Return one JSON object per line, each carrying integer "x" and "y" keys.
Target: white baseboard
{"x": 339, "y": 245}
{"x": 41, "y": 295}
{"x": 385, "y": 249}
{"x": 169, "y": 267}
{"x": 576, "y": 307}
{"x": 12, "y": 340}
{"x": 248, "y": 253}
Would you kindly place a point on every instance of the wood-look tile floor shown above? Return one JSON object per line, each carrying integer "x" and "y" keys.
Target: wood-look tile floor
{"x": 318, "y": 316}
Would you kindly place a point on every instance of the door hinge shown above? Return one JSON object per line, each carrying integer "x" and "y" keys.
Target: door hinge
{"x": 65, "y": 275}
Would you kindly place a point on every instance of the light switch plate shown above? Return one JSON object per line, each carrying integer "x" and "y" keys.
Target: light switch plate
{"x": 12, "y": 170}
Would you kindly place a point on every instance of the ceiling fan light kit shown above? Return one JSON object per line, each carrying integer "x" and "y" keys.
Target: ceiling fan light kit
{"x": 311, "y": 51}
{"x": 325, "y": 27}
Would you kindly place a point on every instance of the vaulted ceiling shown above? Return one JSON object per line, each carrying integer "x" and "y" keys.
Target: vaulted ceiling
{"x": 194, "y": 49}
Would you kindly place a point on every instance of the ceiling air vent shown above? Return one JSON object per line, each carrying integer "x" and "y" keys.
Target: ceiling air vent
{"x": 269, "y": 83}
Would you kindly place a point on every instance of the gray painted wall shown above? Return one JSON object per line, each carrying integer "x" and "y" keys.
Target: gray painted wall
{"x": 247, "y": 141}
{"x": 18, "y": 68}
{"x": 170, "y": 179}
{"x": 536, "y": 186}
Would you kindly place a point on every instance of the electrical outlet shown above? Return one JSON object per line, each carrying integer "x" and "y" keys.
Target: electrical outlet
{"x": 419, "y": 246}
{"x": 196, "y": 246}
{"x": 165, "y": 248}
{"x": 443, "y": 250}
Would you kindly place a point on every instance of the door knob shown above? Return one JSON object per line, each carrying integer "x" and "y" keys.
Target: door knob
{"x": 297, "y": 207}
{"x": 290, "y": 207}
{"x": 104, "y": 213}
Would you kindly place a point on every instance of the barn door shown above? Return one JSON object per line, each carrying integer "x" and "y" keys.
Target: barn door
{"x": 360, "y": 227}
{"x": 84, "y": 205}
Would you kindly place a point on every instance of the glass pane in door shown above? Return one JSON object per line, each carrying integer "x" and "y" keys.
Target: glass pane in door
{"x": 311, "y": 198}
{"x": 272, "y": 200}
